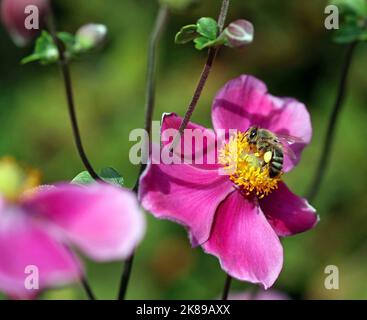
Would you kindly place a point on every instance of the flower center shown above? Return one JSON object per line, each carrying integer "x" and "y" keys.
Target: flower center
{"x": 15, "y": 180}
{"x": 247, "y": 167}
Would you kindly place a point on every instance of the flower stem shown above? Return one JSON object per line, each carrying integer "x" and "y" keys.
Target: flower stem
{"x": 330, "y": 135}
{"x": 87, "y": 289}
{"x": 227, "y": 287}
{"x": 64, "y": 67}
{"x": 212, "y": 53}
{"x": 160, "y": 22}
{"x": 125, "y": 277}
{"x": 71, "y": 106}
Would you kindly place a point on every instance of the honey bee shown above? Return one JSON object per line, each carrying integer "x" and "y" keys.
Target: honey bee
{"x": 272, "y": 146}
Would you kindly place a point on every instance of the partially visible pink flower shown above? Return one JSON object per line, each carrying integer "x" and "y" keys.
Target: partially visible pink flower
{"x": 14, "y": 14}
{"x": 237, "y": 217}
{"x": 102, "y": 221}
{"x": 258, "y": 295}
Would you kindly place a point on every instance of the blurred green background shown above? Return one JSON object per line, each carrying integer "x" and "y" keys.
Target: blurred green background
{"x": 292, "y": 52}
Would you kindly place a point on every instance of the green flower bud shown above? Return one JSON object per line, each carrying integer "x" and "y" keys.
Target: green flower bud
{"x": 90, "y": 36}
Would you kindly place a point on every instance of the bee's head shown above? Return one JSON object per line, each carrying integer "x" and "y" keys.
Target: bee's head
{"x": 252, "y": 135}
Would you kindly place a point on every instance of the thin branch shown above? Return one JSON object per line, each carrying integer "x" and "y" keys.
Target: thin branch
{"x": 87, "y": 289}
{"x": 125, "y": 277}
{"x": 227, "y": 287}
{"x": 203, "y": 78}
{"x": 160, "y": 22}
{"x": 71, "y": 107}
{"x": 330, "y": 135}
{"x": 223, "y": 15}
{"x": 64, "y": 67}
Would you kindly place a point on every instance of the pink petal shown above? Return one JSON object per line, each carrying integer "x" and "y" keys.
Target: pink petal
{"x": 288, "y": 213}
{"x": 245, "y": 102}
{"x": 197, "y": 145}
{"x": 184, "y": 194}
{"x": 104, "y": 221}
{"x": 13, "y": 17}
{"x": 24, "y": 243}
{"x": 244, "y": 242}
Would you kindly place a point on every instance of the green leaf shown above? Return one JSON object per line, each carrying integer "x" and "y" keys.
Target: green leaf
{"x": 44, "y": 42}
{"x": 353, "y": 26}
{"x": 83, "y": 178}
{"x": 349, "y": 34}
{"x": 208, "y": 28}
{"x": 68, "y": 39}
{"x": 31, "y": 58}
{"x": 357, "y": 7}
{"x": 186, "y": 34}
{"x": 201, "y": 42}
{"x": 110, "y": 175}
{"x": 69, "y": 42}
{"x": 45, "y": 50}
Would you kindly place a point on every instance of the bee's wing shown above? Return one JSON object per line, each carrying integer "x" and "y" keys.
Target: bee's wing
{"x": 287, "y": 139}
{"x": 289, "y": 152}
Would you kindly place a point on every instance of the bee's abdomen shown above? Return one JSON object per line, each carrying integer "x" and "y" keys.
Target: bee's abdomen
{"x": 276, "y": 164}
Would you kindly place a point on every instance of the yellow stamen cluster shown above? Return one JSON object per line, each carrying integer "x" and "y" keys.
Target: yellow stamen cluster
{"x": 15, "y": 180}
{"x": 246, "y": 167}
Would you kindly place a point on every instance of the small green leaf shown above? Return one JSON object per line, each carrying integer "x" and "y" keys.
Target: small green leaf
{"x": 353, "y": 26}
{"x": 31, "y": 58}
{"x": 68, "y": 39}
{"x": 208, "y": 28}
{"x": 357, "y": 7}
{"x": 349, "y": 34}
{"x": 44, "y": 42}
{"x": 202, "y": 43}
{"x": 45, "y": 50}
{"x": 186, "y": 34}
{"x": 70, "y": 44}
{"x": 110, "y": 175}
{"x": 83, "y": 178}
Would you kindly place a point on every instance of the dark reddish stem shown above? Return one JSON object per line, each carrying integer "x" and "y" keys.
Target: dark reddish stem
{"x": 330, "y": 135}
{"x": 64, "y": 67}
{"x": 161, "y": 20}
{"x": 203, "y": 78}
{"x": 71, "y": 107}
{"x": 227, "y": 287}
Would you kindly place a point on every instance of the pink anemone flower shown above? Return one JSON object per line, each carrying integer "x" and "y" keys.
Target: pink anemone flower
{"x": 237, "y": 217}
{"x": 102, "y": 221}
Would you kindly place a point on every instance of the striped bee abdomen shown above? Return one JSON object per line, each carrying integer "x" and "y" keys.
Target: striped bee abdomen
{"x": 276, "y": 163}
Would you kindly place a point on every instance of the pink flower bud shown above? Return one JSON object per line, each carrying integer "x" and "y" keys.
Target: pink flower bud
{"x": 24, "y": 18}
{"x": 239, "y": 33}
